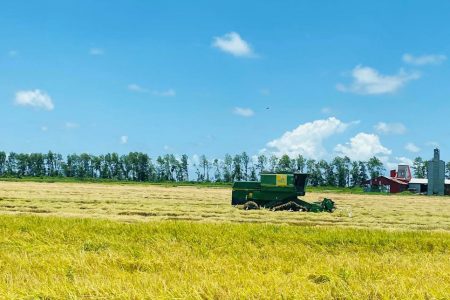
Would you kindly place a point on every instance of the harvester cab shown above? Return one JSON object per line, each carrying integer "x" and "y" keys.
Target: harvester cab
{"x": 300, "y": 183}
{"x": 278, "y": 191}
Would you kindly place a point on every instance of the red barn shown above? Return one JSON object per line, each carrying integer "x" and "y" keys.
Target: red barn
{"x": 397, "y": 183}
{"x": 394, "y": 185}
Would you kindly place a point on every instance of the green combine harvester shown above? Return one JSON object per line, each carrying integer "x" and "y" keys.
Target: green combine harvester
{"x": 277, "y": 192}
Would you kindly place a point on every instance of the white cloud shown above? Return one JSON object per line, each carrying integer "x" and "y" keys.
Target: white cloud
{"x": 36, "y": 98}
{"x": 96, "y": 51}
{"x": 44, "y": 128}
{"x": 432, "y": 59}
{"x": 166, "y": 93}
{"x": 72, "y": 125}
{"x": 326, "y": 110}
{"x": 124, "y": 139}
{"x": 307, "y": 138}
{"x": 411, "y": 147}
{"x": 133, "y": 87}
{"x": 362, "y": 147}
{"x": 243, "y": 112}
{"x": 369, "y": 81}
{"x": 137, "y": 88}
{"x": 233, "y": 43}
{"x": 390, "y": 128}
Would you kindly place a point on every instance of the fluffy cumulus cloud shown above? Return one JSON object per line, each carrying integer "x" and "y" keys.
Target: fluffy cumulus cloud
{"x": 232, "y": 43}
{"x": 243, "y": 112}
{"x": 390, "y": 128}
{"x": 37, "y": 98}
{"x": 362, "y": 147}
{"x": 368, "y": 81}
{"x": 307, "y": 138}
{"x": 124, "y": 139}
{"x": 411, "y": 147}
{"x": 432, "y": 59}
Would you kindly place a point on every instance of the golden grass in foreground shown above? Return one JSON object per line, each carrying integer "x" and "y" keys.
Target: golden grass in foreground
{"x": 148, "y": 203}
{"x": 69, "y": 258}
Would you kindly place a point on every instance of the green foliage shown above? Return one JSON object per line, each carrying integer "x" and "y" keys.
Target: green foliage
{"x": 139, "y": 167}
{"x": 419, "y": 168}
{"x": 375, "y": 167}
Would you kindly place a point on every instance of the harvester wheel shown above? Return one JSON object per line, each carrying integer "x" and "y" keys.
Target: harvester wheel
{"x": 250, "y": 205}
{"x": 290, "y": 206}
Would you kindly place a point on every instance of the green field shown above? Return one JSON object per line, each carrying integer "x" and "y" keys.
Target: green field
{"x": 91, "y": 241}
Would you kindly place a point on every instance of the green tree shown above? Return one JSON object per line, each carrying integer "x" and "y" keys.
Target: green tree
{"x": 284, "y": 164}
{"x": 184, "y": 165}
{"x": 300, "y": 163}
{"x": 419, "y": 167}
{"x": 237, "y": 171}
{"x": 245, "y": 164}
{"x": 273, "y": 163}
{"x": 252, "y": 175}
{"x": 314, "y": 171}
{"x": 11, "y": 164}
{"x": 355, "y": 174}
{"x": 341, "y": 171}
{"x": 227, "y": 168}
{"x": 362, "y": 172}
{"x": 217, "y": 174}
{"x": 347, "y": 168}
{"x": 160, "y": 169}
{"x": 375, "y": 167}
{"x": 329, "y": 178}
{"x": 23, "y": 164}
{"x": 2, "y": 163}
{"x": 205, "y": 165}
{"x": 261, "y": 163}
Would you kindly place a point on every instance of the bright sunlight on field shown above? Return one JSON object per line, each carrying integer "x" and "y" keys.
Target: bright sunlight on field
{"x": 91, "y": 241}
{"x": 151, "y": 202}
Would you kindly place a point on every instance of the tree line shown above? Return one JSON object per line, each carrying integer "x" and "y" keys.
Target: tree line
{"x": 137, "y": 166}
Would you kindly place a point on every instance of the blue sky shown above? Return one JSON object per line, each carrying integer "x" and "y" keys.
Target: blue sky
{"x": 318, "y": 78}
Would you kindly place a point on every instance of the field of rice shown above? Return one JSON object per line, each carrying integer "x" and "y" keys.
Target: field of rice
{"x": 112, "y": 241}
{"x": 155, "y": 203}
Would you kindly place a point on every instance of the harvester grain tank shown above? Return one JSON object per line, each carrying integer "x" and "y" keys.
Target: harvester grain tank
{"x": 277, "y": 192}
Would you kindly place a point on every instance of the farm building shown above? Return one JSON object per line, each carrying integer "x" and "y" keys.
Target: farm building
{"x": 401, "y": 180}
{"x": 387, "y": 184}
{"x": 396, "y": 183}
{"x": 436, "y": 175}
{"x": 420, "y": 185}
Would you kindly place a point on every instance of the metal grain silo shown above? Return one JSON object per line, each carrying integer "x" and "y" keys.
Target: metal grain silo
{"x": 436, "y": 175}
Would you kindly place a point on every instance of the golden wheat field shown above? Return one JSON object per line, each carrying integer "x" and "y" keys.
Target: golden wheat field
{"x": 112, "y": 241}
{"x": 152, "y": 202}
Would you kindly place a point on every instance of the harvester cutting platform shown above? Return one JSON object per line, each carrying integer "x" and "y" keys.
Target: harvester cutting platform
{"x": 277, "y": 192}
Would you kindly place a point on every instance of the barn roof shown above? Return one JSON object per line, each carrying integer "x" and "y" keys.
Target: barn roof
{"x": 424, "y": 181}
